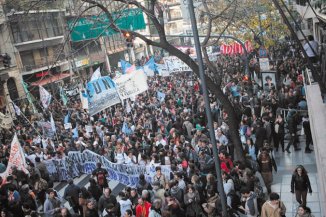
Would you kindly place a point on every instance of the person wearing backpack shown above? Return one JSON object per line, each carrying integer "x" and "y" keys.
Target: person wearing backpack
{"x": 101, "y": 176}
{"x": 274, "y": 207}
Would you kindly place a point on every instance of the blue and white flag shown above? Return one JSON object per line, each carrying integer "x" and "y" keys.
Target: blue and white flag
{"x": 150, "y": 67}
{"x": 75, "y": 132}
{"x": 66, "y": 120}
{"x": 160, "y": 96}
{"x": 101, "y": 94}
{"x": 126, "y": 67}
{"x": 126, "y": 129}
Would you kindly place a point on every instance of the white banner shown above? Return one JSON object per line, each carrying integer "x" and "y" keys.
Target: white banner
{"x": 5, "y": 121}
{"x": 162, "y": 70}
{"x": 129, "y": 85}
{"x": 174, "y": 64}
{"x": 45, "y": 97}
{"x": 16, "y": 158}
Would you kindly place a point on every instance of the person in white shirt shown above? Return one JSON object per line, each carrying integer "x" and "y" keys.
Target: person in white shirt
{"x": 160, "y": 140}
{"x": 311, "y": 48}
{"x": 119, "y": 156}
{"x": 130, "y": 158}
{"x": 124, "y": 203}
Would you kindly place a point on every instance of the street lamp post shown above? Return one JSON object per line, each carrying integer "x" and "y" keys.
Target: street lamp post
{"x": 207, "y": 106}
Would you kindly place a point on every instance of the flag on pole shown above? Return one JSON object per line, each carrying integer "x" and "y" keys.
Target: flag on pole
{"x": 127, "y": 67}
{"x": 52, "y": 124}
{"x": 45, "y": 97}
{"x": 150, "y": 67}
{"x": 160, "y": 96}
{"x": 29, "y": 97}
{"x": 97, "y": 74}
{"x": 63, "y": 96}
{"x": 16, "y": 158}
{"x": 17, "y": 109}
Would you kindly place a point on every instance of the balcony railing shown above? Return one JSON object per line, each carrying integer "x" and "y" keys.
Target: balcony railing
{"x": 43, "y": 62}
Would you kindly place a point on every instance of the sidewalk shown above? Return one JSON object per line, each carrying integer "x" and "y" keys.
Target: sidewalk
{"x": 282, "y": 179}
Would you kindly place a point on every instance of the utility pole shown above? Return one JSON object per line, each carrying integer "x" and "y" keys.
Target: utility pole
{"x": 220, "y": 187}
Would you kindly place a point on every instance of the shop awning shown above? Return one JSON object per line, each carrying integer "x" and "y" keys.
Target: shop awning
{"x": 51, "y": 79}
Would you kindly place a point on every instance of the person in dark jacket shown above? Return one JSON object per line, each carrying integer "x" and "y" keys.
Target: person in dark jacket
{"x": 279, "y": 132}
{"x": 292, "y": 124}
{"x": 192, "y": 202}
{"x": 300, "y": 184}
{"x": 260, "y": 136}
{"x": 71, "y": 194}
{"x": 94, "y": 189}
{"x": 307, "y": 132}
{"x": 106, "y": 199}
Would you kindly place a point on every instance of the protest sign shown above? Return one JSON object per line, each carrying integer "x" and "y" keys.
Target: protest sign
{"x": 101, "y": 95}
{"x": 71, "y": 91}
{"x": 47, "y": 129}
{"x": 174, "y": 64}
{"x": 16, "y": 158}
{"x": 264, "y": 64}
{"x": 68, "y": 126}
{"x": 130, "y": 85}
{"x": 5, "y": 121}
{"x": 89, "y": 129}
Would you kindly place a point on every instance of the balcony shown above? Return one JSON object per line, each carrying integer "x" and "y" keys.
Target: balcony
{"x": 42, "y": 64}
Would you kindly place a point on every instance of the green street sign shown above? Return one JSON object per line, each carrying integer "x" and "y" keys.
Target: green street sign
{"x": 94, "y": 26}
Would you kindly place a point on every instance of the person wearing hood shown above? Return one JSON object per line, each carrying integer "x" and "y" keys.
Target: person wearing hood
{"x": 274, "y": 207}
{"x": 249, "y": 199}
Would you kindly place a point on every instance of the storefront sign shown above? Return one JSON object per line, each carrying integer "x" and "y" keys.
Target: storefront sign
{"x": 82, "y": 62}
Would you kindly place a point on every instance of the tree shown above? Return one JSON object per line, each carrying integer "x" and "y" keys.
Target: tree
{"x": 154, "y": 12}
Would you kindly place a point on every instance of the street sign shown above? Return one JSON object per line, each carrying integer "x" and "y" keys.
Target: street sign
{"x": 95, "y": 26}
{"x": 262, "y": 52}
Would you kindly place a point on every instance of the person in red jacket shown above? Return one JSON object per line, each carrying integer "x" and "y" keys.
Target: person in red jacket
{"x": 143, "y": 208}
{"x": 226, "y": 162}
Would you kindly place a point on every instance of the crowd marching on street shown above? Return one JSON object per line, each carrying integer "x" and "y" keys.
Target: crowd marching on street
{"x": 162, "y": 127}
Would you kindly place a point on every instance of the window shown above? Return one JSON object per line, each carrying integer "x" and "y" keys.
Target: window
{"x": 27, "y": 60}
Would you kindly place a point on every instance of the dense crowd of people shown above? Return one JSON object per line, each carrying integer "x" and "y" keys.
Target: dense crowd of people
{"x": 169, "y": 131}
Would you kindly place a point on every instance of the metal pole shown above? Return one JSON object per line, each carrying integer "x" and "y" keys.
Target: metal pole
{"x": 207, "y": 107}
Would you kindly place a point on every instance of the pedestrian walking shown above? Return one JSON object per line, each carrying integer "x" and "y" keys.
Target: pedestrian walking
{"x": 300, "y": 185}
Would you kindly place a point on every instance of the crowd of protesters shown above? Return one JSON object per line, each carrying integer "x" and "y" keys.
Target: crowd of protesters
{"x": 171, "y": 131}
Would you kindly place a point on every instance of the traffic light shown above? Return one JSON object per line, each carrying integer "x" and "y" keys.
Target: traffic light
{"x": 6, "y": 59}
{"x": 129, "y": 39}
